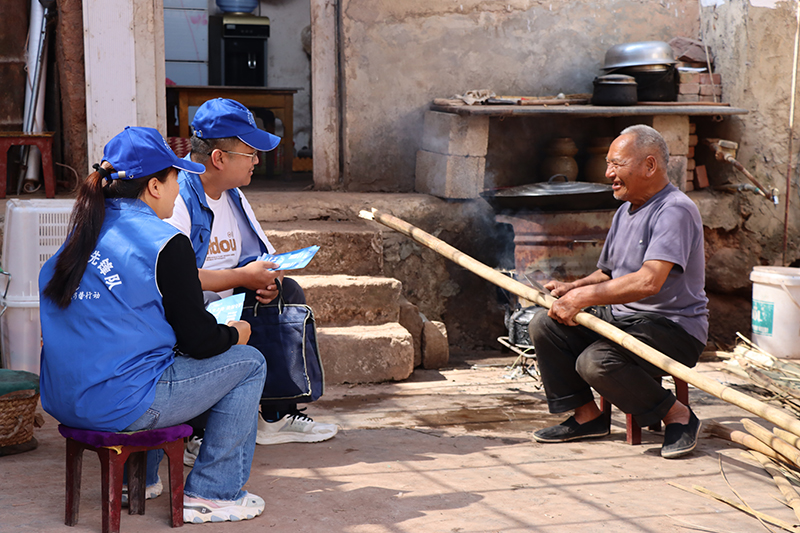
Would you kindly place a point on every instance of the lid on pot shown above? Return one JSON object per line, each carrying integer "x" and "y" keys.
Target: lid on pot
{"x": 615, "y": 79}
{"x": 639, "y": 53}
{"x": 553, "y": 188}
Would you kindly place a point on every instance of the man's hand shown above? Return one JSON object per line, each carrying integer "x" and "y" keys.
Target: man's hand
{"x": 558, "y": 288}
{"x": 258, "y": 276}
{"x": 243, "y": 328}
{"x": 270, "y": 292}
{"x": 564, "y": 308}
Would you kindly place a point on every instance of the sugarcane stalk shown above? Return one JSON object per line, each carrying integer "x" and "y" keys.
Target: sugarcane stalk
{"x": 781, "y": 482}
{"x": 776, "y": 416}
{"x": 746, "y": 440}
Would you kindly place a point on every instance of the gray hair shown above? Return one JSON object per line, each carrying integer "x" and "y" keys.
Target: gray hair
{"x": 202, "y": 148}
{"x": 647, "y": 141}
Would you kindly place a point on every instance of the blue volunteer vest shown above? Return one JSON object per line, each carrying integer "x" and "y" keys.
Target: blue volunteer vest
{"x": 103, "y": 355}
{"x": 194, "y": 196}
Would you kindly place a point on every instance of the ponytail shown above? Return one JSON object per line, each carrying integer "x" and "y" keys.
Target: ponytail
{"x": 85, "y": 224}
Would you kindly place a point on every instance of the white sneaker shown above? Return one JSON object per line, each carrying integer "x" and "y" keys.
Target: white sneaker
{"x": 150, "y": 492}
{"x": 199, "y": 510}
{"x": 295, "y": 427}
{"x": 191, "y": 450}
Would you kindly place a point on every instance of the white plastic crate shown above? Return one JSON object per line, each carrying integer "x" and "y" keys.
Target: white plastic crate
{"x": 34, "y": 231}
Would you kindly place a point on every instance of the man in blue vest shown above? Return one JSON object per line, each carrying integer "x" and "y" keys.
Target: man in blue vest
{"x": 227, "y": 237}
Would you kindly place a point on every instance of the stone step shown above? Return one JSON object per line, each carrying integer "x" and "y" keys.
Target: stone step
{"x": 339, "y": 300}
{"x": 352, "y": 248}
{"x": 366, "y": 354}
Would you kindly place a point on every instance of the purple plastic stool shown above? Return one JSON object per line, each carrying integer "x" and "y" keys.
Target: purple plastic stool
{"x": 114, "y": 449}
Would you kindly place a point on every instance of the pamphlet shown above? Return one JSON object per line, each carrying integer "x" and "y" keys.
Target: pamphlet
{"x": 227, "y": 309}
{"x": 291, "y": 260}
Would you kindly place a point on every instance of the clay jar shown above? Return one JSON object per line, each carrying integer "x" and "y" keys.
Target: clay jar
{"x": 560, "y": 159}
{"x": 595, "y": 168}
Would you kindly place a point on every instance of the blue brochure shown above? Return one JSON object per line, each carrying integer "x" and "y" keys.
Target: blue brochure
{"x": 227, "y": 309}
{"x": 291, "y": 260}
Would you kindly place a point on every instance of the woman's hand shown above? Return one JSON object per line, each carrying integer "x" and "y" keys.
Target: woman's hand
{"x": 243, "y": 328}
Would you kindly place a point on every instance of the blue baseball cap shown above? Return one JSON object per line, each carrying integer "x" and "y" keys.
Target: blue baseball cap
{"x": 221, "y": 118}
{"x": 138, "y": 152}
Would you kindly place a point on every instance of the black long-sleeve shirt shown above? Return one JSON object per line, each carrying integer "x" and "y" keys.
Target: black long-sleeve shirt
{"x": 199, "y": 336}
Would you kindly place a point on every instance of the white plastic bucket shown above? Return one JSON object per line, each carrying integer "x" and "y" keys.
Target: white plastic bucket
{"x": 776, "y": 310}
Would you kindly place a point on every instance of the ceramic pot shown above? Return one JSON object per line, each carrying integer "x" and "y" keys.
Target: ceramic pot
{"x": 595, "y": 168}
{"x": 560, "y": 159}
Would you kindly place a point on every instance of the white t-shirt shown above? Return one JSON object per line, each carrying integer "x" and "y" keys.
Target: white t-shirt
{"x": 224, "y": 245}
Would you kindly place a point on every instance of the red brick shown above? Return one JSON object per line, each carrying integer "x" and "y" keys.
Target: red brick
{"x": 707, "y": 90}
{"x": 689, "y": 88}
{"x": 701, "y": 176}
{"x": 709, "y": 98}
{"x": 691, "y": 151}
{"x": 690, "y": 164}
{"x": 692, "y": 127}
{"x": 692, "y": 140}
{"x": 688, "y": 97}
{"x": 711, "y": 79}
{"x": 689, "y": 77}
{"x": 689, "y": 182}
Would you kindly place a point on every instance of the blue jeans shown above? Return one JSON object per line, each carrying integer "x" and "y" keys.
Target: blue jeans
{"x": 228, "y": 387}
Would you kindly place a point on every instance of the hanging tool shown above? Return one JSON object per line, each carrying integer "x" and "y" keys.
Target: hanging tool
{"x": 726, "y": 151}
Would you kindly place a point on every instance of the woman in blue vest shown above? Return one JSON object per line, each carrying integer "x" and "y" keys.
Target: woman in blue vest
{"x": 127, "y": 342}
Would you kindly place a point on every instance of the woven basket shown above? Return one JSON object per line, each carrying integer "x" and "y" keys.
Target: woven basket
{"x": 17, "y": 410}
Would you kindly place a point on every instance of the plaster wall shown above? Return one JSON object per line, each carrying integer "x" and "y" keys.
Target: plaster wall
{"x": 398, "y": 55}
{"x": 753, "y": 43}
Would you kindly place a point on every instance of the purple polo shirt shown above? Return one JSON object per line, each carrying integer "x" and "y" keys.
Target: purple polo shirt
{"x": 667, "y": 227}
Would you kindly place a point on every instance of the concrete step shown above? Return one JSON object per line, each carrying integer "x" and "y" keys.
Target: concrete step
{"x": 339, "y": 300}
{"x": 352, "y": 248}
{"x": 366, "y": 354}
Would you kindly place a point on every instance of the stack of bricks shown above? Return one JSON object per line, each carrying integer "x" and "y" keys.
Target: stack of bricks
{"x": 696, "y": 176}
{"x": 699, "y": 87}
{"x": 452, "y": 161}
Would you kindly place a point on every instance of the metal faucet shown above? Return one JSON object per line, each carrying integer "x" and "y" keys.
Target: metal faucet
{"x": 726, "y": 151}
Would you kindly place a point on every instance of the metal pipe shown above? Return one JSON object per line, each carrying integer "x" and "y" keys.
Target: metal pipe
{"x": 778, "y": 417}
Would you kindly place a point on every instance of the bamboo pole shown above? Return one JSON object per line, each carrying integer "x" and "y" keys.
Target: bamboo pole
{"x": 776, "y": 443}
{"x": 780, "y": 481}
{"x": 794, "y": 440}
{"x": 776, "y": 416}
{"x": 748, "y": 441}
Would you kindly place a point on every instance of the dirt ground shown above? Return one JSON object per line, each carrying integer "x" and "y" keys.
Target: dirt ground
{"x": 446, "y": 451}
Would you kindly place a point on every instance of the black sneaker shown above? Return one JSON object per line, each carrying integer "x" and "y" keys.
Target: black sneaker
{"x": 570, "y": 430}
{"x": 680, "y": 439}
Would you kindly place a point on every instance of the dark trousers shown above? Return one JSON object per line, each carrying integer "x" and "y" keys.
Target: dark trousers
{"x": 573, "y": 359}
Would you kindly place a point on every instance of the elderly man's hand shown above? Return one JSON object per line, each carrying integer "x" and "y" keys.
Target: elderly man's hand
{"x": 564, "y": 309}
{"x": 558, "y": 288}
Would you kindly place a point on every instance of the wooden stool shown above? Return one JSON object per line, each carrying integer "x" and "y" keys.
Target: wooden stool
{"x": 632, "y": 429}
{"x": 113, "y": 450}
{"x": 43, "y": 141}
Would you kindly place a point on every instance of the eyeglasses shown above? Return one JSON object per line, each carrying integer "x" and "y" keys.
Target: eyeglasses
{"x": 252, "y": 156}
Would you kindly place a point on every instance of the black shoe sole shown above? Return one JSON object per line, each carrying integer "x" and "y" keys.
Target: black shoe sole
{"x": 573, "y": 438}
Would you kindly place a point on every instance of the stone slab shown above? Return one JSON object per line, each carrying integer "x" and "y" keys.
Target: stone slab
{"x": 411, "y": 319}
{"x": 366, "y": 354}
{"x": 449, "y": 134}
{"x": 340, "y": 300}
{"x": 435, "y": 349}
{"x": 449, "y": 176}
{"x": 352, "y": 248}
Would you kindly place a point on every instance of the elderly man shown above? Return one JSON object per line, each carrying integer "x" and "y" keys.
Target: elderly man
{"x": 649, "y": 283}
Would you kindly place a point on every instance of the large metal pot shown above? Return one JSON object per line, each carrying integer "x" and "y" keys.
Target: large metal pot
{"x": 553, "y": 196}
{"x": 614, "y": 89}
{"x": 638, "y": 54}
